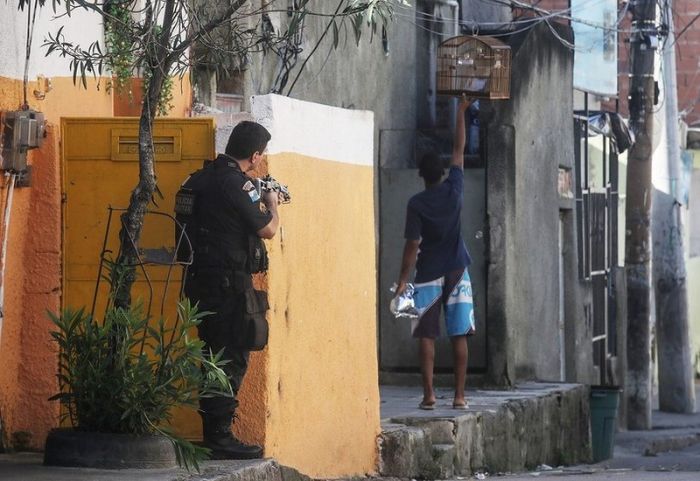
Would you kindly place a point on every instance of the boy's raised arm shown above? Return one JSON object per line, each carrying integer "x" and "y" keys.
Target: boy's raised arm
{"x": 460, "y": 139}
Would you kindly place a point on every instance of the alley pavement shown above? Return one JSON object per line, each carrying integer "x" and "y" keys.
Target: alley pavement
{"x": 669, "y": 451}
{"x": 29, "y": 467}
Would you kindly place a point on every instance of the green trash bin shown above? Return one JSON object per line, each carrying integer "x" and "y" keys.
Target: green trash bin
{"x": 604, "y": 403}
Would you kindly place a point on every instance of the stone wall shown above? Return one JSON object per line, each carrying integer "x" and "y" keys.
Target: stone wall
{"x": 507, "y": 432}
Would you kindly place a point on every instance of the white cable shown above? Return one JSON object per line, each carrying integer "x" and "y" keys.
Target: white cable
{"x": 505, "y": 33}
{"x": 6, "y": 235}
{"x": 410, "y": 13}
{"x": 544, "y": 14}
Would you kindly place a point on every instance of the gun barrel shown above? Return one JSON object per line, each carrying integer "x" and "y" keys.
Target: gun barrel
{"x": 269, "y": 184}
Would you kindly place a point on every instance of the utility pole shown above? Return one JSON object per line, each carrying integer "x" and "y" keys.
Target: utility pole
{"x": 676, "y": 386}
{"x": 638, "y": 206}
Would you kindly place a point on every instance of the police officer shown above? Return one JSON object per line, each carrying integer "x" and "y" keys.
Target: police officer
{"x": 229, "y": 217}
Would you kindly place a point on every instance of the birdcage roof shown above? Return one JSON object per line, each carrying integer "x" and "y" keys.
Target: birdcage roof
{"x": 490, "y": 42}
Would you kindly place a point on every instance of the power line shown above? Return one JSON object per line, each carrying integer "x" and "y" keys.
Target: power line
{"x": 543, "y": 16}
{"x": 561, "y": 14}
{"x": 685, "y": 29}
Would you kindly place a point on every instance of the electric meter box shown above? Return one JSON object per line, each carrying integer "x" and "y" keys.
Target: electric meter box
{"x": 22, "y": 130}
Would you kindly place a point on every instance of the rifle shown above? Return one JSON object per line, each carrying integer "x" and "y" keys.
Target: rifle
{"x": 269, "y": 184}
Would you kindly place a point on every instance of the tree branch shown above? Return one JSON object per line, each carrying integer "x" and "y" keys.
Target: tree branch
{"x": 318, "y": 44}
{"x": 211, "y": 25}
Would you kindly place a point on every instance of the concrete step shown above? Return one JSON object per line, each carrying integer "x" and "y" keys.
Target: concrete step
{"x": 502, "y": 431}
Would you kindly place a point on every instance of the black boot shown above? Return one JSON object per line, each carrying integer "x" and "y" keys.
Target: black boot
{"x": 224, "y": 445}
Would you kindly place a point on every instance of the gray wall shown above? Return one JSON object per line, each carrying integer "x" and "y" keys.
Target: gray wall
{"x": 530, "y": 137}
{"x": 359, "y": 77}
{"x": 485, "y": 12}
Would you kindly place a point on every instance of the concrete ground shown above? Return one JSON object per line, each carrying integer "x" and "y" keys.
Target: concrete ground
{"x": 397, "y": 404}
{"x": 682, "y": 465}
{"x": 401, "y": 402}
{"x": 670, "y": 451}
{"x": 29, "y": 467}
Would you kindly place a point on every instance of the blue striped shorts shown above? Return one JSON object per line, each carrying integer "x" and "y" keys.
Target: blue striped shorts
{"x": 453, "y": 292}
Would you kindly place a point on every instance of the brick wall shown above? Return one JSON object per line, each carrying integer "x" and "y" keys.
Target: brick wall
{"x": 687, "y": 56}
{"x": 688, "y": 60}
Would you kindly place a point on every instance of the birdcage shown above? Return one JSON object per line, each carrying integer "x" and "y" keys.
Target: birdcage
{"x": 478, "y": 67}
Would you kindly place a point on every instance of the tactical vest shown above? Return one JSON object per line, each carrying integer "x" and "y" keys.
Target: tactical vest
{"x": 212, "y": 245}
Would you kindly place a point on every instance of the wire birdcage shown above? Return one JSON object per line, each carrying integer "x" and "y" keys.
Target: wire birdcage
{"x": 478, "y": 67}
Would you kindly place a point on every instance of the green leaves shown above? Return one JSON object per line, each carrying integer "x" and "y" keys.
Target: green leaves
{"x": 126, "y": 374}
{"x": 158, "y": 43}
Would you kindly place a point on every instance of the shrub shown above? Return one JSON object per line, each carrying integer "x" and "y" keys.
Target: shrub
{"x": 126, "y": 374}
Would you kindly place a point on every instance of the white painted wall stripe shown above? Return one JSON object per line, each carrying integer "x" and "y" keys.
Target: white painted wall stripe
{"x": 81, "y": 28}
{"x": 315, "y": 130}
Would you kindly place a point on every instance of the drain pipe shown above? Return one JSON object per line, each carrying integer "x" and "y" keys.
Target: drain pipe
{"x": 433, "y": 46}
{"x": 5, "y": 235}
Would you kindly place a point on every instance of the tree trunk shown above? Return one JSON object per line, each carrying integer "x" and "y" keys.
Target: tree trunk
{"x": 141, "y": 196}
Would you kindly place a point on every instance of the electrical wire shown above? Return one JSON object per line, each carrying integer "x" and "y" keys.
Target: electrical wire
{"x": 6, "y": 235}
{"x": 543, "y": 12}
{"x": 431, "y": 17}
{"x": 559, "y": 14}
{"x": 504, "y": 34}
{"x": 543, "y": 16}
{"x": 685, "y": 29}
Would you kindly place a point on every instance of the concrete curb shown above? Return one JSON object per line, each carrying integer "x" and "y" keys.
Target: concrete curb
{"x": 671, "y": 443}
{"x": 265, "y": 470}
{"x": 514, "y": 433}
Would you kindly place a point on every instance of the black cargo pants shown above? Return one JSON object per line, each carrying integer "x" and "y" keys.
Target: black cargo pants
{"x": 215, "y": 291}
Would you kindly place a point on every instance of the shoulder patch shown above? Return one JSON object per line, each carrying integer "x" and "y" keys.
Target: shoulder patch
{"x": 248, "y": 186}
{"x": 254, "y": 196}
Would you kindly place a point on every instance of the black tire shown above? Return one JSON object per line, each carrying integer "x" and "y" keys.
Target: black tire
{"x": 71, "y": 448}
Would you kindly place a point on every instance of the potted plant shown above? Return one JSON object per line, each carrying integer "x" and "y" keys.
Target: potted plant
{"x": 120, "y": 378}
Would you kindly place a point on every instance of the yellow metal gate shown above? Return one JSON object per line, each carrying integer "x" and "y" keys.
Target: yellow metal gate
{"x": 100, "y": 168}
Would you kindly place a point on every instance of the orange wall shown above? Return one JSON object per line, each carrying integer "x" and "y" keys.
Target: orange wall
{"x": 33, "y": 271}
{"x": 129, "y": 105}
{"x": 252, "y": 411}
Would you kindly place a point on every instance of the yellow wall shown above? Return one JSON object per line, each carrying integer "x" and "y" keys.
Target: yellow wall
{"x": 33, "y": 271}
{"x": 93, "y": 180}
{"x": 322, "y": 386}
{"x": 311, "y": 398}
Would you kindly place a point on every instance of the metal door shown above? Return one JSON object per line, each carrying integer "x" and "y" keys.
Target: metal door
{"x": 597, "y": 205}
{"x": 100, "y": 168}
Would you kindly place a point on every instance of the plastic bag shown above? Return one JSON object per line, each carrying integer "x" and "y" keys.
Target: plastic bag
{"x": 403, "y": 305}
